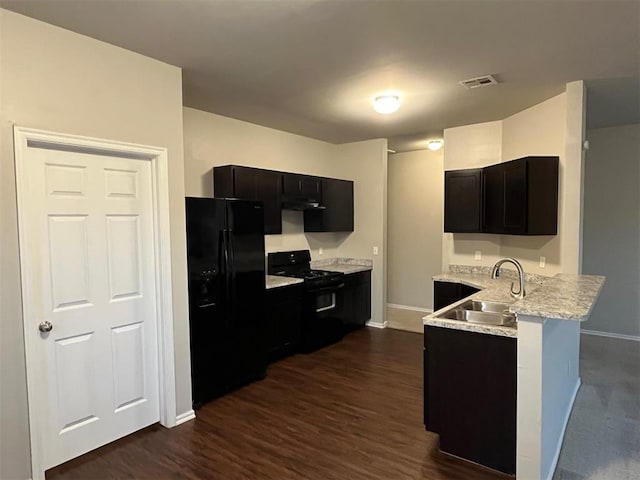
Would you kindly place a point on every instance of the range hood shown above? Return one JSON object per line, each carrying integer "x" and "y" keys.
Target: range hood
{"x": 301, "y": 204}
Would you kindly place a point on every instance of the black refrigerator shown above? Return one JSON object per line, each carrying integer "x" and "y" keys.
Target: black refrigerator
{"x": 225, "y": 259}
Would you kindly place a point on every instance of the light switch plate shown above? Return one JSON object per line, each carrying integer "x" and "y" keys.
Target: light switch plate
{"x": 478, "y": 255}
{"x": 320, "y": 251}
{"x": 543, "y": 262}
{"x": 375, "y": 250}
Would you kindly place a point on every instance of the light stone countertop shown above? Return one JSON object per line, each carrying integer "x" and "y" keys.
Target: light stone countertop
{"x": 564, "y": 296}
{"x": 343, "y": 265}
{"x": 276, "y": 281}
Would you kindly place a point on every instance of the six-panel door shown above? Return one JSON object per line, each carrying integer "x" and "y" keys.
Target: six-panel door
{"x": 90, "y": 248}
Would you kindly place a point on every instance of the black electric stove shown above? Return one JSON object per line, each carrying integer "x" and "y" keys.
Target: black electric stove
{"x": 321, "y": 322}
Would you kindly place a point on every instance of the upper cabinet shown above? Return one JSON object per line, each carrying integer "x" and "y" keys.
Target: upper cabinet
{"x": 252, "y": 184}
{"x": 493, "y": 199}
{"x": 296, "y": 186}
{"x": 337, "y": 216}
{"x": 279, "y": 190}
{"x": 519, "y": 197}
{"x": 462, "y": 201}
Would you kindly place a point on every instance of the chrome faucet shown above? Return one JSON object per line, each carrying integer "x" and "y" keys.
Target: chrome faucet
{"x": 495, "y": 273}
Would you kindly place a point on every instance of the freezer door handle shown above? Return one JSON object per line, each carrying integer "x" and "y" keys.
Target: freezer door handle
{"x": 226, "y": 264}
{"x": 231, "y": 275}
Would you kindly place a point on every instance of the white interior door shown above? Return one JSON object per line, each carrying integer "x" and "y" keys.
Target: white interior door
{"x": 87, "y": 241}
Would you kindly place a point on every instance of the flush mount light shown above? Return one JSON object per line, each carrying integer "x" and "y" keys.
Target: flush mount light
{"x": 386, "y": 103}
{"x": 435, "y": 145}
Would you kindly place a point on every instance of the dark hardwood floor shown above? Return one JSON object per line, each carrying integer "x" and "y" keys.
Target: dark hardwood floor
{"x": 350, "y": 411}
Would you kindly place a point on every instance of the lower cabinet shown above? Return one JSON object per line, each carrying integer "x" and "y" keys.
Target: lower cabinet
{"x": 284, "y": 316}
{"x": 446, "y": 293}
{"x": 355, "y": 300}
{"x": 470, "y": 395}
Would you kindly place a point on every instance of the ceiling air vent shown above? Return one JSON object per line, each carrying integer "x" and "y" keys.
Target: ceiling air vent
{"x": 477, "y": 82}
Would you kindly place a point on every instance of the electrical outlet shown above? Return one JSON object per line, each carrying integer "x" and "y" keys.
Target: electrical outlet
{"x": 320, "y": 251}
{"x": 478, "y": 255}
{"x": 375, "y": 250}
{"x": 543, "y": 262}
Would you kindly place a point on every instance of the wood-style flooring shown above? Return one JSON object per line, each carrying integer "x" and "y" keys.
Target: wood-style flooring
{"x": 350, "y": 411}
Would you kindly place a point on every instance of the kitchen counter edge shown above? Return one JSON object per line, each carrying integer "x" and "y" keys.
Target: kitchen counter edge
{"x": 564, "y": 296}
{"x": 276, "y": 281}
{"x": 343, "y": 265}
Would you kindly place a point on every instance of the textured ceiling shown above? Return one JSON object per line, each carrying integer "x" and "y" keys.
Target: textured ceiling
{"x": 313, "y": 67}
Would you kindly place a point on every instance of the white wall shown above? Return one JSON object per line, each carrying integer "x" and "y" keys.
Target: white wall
{"x": 553, "y": 127}
{"x": 415, "y": 223}
{"x": 57, "y": 80}
{"x": 473, "y": 146}
{"x": 211, "y": 140}
{"x": 612, "y": 227}
{"x": 366, "y": 164}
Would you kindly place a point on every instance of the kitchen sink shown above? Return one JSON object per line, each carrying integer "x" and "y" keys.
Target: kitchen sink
{"x": 487, "y": 313}
{"x": 480, "y": 306}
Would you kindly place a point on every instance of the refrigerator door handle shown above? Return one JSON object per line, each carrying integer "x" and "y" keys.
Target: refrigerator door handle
{"x": 222, "y": 254}
{"x": 225, "y": 254}
{"x": 230, "y": 250}
{"x": 231, "y": 273}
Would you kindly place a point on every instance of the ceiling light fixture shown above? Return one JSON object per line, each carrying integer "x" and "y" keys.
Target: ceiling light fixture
{"x": 386, "y": 103}
{"x": 435, "y": 145}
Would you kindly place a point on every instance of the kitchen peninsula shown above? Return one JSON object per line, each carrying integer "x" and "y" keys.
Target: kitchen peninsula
{"x": 544, "y": 361}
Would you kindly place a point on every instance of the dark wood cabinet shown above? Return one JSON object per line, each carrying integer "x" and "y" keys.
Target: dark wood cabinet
{"x": 337, "y": 198}
{"x": 515, "y": 197}
{"x": 463, "y": 201}
{"x": 355, "y": 300}
{"x": 470, "y": 395}
{"x": 249, "y": 183}
{"x": 493, "y": 198}
{"x": 446, "y": 293}
{"x": 284, "y": 316}
{"x": 521, "y": 197}
{"x": 278, "y": 190}
{"x": 297, "y": 186}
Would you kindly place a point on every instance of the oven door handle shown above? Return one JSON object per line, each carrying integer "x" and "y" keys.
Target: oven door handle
{"x": 330, "y": 288}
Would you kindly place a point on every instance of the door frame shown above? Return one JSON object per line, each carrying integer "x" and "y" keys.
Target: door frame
{"x": 25, "y": 138}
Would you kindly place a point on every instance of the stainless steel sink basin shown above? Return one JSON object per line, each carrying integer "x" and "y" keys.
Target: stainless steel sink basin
{"x": 480, "y": 306}
{"x": 487, "y": 313}
{"x": 486, "y": 318}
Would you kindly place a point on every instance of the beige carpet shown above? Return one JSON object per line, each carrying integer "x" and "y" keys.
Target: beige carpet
{"x": 602, "y": 441}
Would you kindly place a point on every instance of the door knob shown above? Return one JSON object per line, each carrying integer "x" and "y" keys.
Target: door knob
{"x": 45, "y": 326}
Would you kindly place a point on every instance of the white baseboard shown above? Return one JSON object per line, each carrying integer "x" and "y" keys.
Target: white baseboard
{"x": 556, "y": 456}
{"x": 376, "y": 324}
{"x": 185, "y": 417}
{"x": 409, "y": 307}
{"x": 619, "y": 336}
